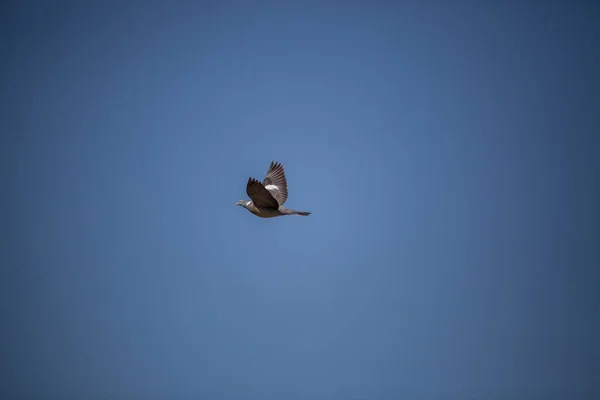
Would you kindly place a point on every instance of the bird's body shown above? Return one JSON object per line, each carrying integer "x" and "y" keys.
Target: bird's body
{"x": 264, "y": 212}
{"x": 268, "y": 197}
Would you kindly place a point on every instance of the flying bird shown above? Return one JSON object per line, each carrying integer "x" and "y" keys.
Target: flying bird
{"x": 267, "y": 198}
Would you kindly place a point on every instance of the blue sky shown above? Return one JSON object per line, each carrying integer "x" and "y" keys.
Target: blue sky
{"x": 445, "y": 150}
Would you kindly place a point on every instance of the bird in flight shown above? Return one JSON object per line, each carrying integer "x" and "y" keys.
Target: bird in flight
{"x": 267, "y": 198}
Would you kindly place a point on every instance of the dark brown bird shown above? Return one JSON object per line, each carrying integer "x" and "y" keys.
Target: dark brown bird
{"x": 267, "y": 198}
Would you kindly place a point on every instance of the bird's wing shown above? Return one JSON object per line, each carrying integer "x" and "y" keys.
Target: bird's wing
{"x": 276, "y": 183}
{"x": 260, "y": 196}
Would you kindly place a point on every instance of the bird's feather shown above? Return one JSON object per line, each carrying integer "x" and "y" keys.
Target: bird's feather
{"x": 260, "y": 196}
{"x": 276, "y": 183}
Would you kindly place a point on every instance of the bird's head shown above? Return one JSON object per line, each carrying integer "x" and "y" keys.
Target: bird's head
{"x": 241, "y": 203}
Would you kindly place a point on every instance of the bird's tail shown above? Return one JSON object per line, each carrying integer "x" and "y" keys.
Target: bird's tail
{"x": 304, "y": 213}
{"x": 289, "y": 211}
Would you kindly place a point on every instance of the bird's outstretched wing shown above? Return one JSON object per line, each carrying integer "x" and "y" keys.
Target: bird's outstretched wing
{"x": 260, "y": 196}
{"x": 276, "y": 183}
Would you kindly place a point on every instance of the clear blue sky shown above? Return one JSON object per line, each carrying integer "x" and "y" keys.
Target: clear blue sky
{"x": 446, "y": 150}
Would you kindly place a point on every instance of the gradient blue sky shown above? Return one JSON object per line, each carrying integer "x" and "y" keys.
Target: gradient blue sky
{"x": 446, "y": 150}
